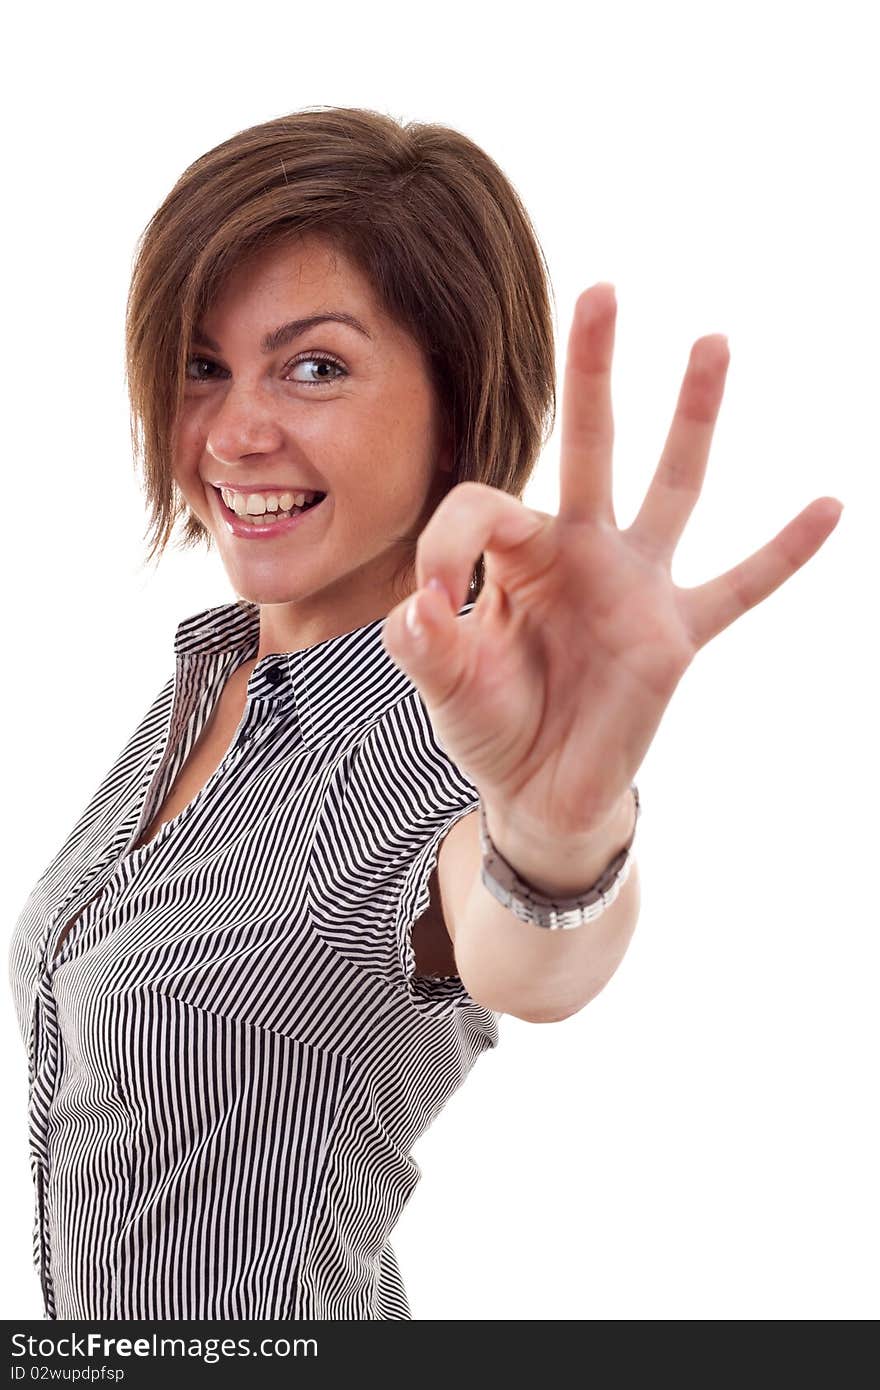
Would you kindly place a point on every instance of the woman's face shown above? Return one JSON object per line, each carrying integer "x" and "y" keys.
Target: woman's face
{"x": 361, "y": 424}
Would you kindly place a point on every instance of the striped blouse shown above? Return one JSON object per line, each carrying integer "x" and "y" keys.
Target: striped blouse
{"x": 231, "y": 1056}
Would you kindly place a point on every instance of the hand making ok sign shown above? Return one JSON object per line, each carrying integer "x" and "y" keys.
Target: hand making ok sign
{"x": 548, "y": 694}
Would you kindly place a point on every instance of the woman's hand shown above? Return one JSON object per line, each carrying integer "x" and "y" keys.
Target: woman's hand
{"x": 548, "y": 694}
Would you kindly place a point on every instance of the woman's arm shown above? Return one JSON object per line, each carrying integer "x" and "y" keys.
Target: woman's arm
{"x": 515, "y": 967}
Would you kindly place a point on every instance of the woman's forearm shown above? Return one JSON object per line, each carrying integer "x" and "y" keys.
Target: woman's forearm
{"x": 518, "y": 968}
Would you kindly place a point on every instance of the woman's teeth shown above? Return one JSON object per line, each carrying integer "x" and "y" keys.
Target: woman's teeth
{"x": 261, "y": 508}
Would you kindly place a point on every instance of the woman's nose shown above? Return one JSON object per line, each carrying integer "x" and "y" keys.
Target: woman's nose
{"x": 243, "y": 425}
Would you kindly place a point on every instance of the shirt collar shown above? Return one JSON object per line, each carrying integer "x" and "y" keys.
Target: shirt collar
{"x": 333, "y": 685}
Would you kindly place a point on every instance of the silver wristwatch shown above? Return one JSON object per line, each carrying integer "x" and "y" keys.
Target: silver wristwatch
{"x": 529, "y": 905}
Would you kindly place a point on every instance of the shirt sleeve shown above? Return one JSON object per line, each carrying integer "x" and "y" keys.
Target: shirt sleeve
{"x": 427, "y": 993}
{"x": 393, "y": 801}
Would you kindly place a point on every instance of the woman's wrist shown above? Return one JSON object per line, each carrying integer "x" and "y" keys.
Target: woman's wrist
{"x": 560, "y": 868}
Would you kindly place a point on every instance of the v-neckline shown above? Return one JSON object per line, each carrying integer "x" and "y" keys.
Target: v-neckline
{"x": 70, "y": 928}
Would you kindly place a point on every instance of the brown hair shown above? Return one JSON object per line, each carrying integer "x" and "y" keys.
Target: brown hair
{"x": 423, "y": 213}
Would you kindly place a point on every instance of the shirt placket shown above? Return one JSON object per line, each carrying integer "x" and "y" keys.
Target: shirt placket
{"x": 44, "y": 1043}
{"x": 43, "y": 1067}
{"x": 270, "y": 695}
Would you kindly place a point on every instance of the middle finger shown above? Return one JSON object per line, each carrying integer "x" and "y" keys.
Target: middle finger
{"x": 587, "y": 422}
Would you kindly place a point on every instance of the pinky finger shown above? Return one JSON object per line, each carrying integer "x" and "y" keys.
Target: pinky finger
{"x": 710, "y": 608}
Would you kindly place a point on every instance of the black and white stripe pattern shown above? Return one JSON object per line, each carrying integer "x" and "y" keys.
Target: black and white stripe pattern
{"x": 231, "y": 1057}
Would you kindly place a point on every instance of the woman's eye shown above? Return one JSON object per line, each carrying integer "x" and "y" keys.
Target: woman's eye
{"x": 322, "y": 376}
{"x": 324, "y": 379}
{"x": 198, "y": 361}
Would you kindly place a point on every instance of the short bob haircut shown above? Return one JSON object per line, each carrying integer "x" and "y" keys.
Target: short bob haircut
{"x": 433, "y": 224}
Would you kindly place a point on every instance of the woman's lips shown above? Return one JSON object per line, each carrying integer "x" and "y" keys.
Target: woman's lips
{"x": 239, "y": 527}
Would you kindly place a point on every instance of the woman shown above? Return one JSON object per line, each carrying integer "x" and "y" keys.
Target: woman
{"x": 236, "y": 980}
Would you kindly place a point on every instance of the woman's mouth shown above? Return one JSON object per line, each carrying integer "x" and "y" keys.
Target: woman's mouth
{"x": 277, "y": 523}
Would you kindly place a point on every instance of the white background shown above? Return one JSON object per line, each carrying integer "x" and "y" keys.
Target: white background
{"x": 701, "y": 1141}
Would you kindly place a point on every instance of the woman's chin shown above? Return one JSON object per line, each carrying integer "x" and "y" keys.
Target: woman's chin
{"x": 254, "y": 590}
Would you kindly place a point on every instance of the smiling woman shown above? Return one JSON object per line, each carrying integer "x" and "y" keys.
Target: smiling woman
{"x": 234, "y": 1033}
{"x": 369, "y": 438}
{"x": 440, "y": 257}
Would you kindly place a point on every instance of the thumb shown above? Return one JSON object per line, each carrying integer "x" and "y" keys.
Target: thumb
{"x": 425, "y": 639}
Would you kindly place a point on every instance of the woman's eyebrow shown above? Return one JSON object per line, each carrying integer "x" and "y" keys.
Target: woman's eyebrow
{"x": 279, "y": 337}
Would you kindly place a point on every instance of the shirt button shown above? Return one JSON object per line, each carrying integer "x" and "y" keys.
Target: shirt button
{"x": 274, "y": 674}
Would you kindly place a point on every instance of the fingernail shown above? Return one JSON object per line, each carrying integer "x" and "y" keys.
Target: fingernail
{"x": 435, "y": 583}
{"x": 413, "y": 621}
